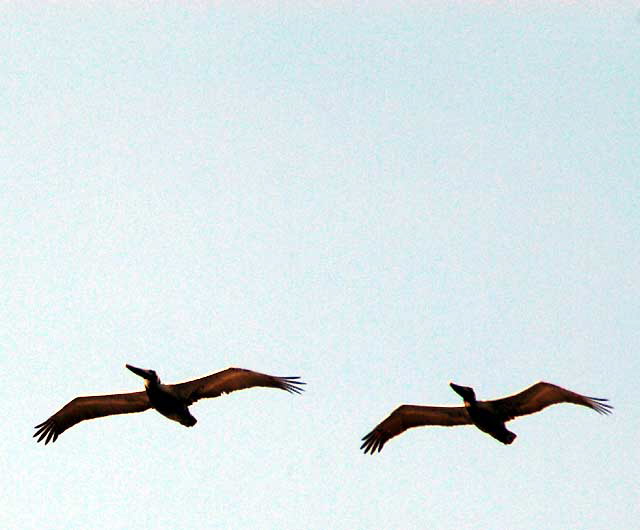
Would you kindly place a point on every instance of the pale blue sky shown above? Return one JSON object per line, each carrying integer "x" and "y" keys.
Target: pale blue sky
{"x": 380, "y": 200}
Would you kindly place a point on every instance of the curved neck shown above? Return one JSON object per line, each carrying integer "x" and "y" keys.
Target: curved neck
{"x": 151, "y": 383}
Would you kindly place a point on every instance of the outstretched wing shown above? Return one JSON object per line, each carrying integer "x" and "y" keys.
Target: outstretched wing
{"x": 407, "y": 416}
{"x": 542, "y": 395}
{"x": 88, "y": 408}
{"x": 230, "y": 380}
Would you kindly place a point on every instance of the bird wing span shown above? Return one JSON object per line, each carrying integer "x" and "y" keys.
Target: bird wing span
{"x": 541, "y": 395}
{"x": 407, "y": 416}
{"x": 88, "y": 408}
{"x": 230, "y": 380}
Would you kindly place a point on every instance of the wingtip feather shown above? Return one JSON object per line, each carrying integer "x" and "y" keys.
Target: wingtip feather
{"x": 599, "y": 405}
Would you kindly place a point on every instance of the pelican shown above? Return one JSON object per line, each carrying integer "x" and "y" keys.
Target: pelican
{"x": 171, "y": 401}
{"x": 488, "y": 416}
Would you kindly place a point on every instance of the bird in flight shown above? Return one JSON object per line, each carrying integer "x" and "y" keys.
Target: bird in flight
{"x": 488, "y": 416}
{"x": 171, "y": 401}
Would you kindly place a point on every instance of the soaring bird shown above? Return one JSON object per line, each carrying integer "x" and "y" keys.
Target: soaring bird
{"x": 488, "y": 416}
{"x": 171, "y": 401}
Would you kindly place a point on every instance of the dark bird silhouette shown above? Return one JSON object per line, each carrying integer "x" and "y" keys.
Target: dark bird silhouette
{"x": 171, "y": 401}
{"x": 488, "y": 416}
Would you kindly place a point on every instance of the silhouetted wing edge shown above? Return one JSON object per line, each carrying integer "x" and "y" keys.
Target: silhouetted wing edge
{"x": 542, "y": 395}
{"x": 88, "y": 408}
{"x": 231, "y": 380}
{"x": 409, "y": 416}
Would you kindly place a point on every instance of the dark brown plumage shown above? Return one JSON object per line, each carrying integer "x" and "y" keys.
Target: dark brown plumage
{"x": 171, "y": 401}
{"x": 488, "y": 416}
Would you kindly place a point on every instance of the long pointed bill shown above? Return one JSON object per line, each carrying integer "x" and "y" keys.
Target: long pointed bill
{"x": 465, "y": 392}
{"x": 139, "y": 371}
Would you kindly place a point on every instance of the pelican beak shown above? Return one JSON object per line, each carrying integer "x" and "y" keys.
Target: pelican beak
{"x": 465, "y": 392}
{"x": 139, "y": 371}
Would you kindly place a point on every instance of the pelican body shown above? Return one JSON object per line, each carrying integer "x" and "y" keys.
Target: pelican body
{"x": 488, "y": 416}
{"x": 172, "y": 401}
{"x": 163, "y": 398}
{"x": 484, "y": 415}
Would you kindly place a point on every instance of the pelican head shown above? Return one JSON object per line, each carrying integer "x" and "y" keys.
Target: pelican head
{"x": 150, "y": 376}
{"x": 465, "y": 392}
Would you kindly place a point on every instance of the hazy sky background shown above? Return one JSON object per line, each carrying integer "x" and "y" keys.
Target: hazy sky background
{"x": 380, "y": 200}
